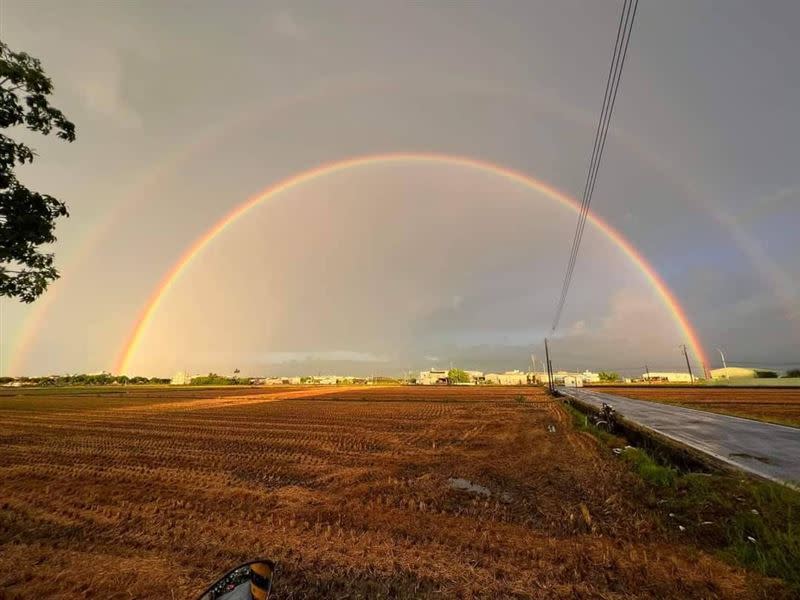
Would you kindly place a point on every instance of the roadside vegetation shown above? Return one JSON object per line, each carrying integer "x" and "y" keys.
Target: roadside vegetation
{"x": 752, "y": 523}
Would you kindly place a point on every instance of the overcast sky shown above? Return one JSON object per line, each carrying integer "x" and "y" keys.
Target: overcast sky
{"x": 186, "y": 109}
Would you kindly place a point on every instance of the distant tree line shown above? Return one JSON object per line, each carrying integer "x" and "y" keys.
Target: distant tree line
{"x": 609, "y": 376}
{"x": 214, "y": 379}
{"x": 766, "y": 374}
{"x": 83, "y": 379}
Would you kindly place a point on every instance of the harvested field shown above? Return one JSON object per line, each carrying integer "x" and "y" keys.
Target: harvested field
{"x": 774, "y": 405}
{"x": 356, "y": 493}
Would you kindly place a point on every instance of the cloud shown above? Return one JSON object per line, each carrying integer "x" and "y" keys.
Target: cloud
{"x": 577, "y": 328}
{"x": 637, "y": 331}
{"x": 280, "y": 358}
{"x": 285, "y": 25}
{"x": 99, "y": 84}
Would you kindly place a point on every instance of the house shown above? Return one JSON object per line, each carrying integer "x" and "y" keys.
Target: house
{"x": 432, "y": 377}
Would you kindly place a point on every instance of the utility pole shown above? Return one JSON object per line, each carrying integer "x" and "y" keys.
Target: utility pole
{"x": 549, "y": 367}
{"x": 688, "y": 366}
{"x": 724, "y": 364}
{"x": 647, "y": 370}
{"x": 2, "y": 348}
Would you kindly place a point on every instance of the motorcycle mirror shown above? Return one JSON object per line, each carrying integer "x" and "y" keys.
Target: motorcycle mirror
{"x": 249, "y": 581}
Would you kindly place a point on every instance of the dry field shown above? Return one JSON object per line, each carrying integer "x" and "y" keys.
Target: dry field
{"x": 775, "y": 405}
{"x": 151, "y": 494}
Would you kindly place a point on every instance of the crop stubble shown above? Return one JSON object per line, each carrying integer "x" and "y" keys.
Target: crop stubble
{"x": 348, "y": 492}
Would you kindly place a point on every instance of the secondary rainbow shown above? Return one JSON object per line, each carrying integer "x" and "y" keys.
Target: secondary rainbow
{"x": 169, "y": 279}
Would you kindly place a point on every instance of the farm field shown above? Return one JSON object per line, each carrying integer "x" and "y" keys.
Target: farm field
{"x": 352, "y": 491}
{"x": 774, "y": 405}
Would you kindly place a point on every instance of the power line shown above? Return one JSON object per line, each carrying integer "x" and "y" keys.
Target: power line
{"x": 612, "y": 85}
{"x": 583, "y": 207}
{"x": 624, "y": 30}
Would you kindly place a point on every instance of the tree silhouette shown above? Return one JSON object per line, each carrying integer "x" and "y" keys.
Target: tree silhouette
{"x": 27, "y": 218}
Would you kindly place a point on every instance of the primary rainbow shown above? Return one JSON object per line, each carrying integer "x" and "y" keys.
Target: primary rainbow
{"x": 173, "y": 274}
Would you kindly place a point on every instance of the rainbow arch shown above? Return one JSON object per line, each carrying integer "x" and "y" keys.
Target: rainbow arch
{"x": 169, "y": 279}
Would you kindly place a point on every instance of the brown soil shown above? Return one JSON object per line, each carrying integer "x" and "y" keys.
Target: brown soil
{"x": 348, "y": 492}
{"x": 765, "y": 404}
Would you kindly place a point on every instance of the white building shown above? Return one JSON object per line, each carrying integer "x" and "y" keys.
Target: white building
{"x": 181, "y": 378}
{"x": 508, "y": 378}
{"x": 669, "y": 377}
{"x": 590, "y": 377}
{"x": 733, "y": 373}
{"x": 575, "y": 381}
{"x": 475, "y": 376}
{"x": 325, "y": 380}
{"x": 539, "y": 377}
{"x": 432, "y": 377}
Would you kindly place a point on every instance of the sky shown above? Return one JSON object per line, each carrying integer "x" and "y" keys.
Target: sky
{"x": 184, "y": 110}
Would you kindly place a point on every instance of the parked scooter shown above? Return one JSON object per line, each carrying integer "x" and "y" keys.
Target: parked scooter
{"x": 249, "y": 581}
{"x": 606, "y": 418}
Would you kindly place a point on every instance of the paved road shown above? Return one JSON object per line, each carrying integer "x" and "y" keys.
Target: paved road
{"x": 770, "y": 451}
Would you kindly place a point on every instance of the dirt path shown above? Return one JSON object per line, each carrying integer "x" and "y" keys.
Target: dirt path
{"x": 244, "y": 400}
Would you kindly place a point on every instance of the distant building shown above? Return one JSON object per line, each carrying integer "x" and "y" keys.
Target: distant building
{"x": 507, "y": 378}
{"x": 667, "y": 377}
{"x": 734, "y": 373}
{"x": 181, "y": 378}
{"x": 575, "y": 381}
{"x": 325, "y": 380}
{"x": 432, "y": 377}
{"x": 539, "y": 377}
{"x": 590, "y": 377}
{"x": 476, "y": 376}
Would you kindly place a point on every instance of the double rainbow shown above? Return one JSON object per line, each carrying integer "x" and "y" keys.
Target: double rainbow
{"x": 169, "y": 279}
